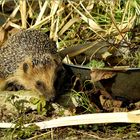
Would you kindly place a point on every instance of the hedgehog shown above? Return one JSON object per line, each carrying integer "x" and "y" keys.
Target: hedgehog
{"x": 30, "y": 59}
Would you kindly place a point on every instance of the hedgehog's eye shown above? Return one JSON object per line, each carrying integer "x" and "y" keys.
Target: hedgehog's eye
{"x": 40, "y": 85}
{"x": 25, "y": 67}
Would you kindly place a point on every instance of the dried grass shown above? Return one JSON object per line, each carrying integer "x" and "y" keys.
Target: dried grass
{"x": 79, "y": 21}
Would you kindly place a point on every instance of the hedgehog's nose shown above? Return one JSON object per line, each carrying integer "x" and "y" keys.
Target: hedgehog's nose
{"x": 52, "y": 99}
{"x": 50, "y": 96}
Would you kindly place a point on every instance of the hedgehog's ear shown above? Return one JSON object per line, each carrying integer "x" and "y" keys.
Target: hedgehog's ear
{"x": 57, "y": 61}
{"x": 25, "y": 67}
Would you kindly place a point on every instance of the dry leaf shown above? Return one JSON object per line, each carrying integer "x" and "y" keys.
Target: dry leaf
{"x": 97, "y": 75}
{"x": 117, "y": 109}
{"x": 112, "y": 105}
{"x": 106, "y": 103}
{"x": 105, "y": 94}
{"x": 117, "y": 103}
{"x": 106, "y": 55}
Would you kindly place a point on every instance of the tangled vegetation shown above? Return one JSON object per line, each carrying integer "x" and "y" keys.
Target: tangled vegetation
{"x": 113, "y": 24}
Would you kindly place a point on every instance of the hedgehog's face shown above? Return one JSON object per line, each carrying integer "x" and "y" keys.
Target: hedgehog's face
{"x": 38, "y": 77}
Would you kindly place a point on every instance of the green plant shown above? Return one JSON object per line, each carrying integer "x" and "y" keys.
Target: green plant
{"x": 20, "y": 131}
{"x": 82, "y": 100}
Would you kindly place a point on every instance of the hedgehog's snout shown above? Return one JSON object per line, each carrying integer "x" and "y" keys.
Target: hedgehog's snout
{"x": 49, "y": 93}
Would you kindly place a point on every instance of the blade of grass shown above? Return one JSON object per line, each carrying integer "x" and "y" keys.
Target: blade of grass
{"x": 14, "y": 25}
{"x": 23, "y": 13}
{"x": 13, "y": 14}
{"x": 68, "y": 6}
{"x": 68, "y": 24}
{"x": 93, "y": 25}
{"x": 42, "y": 22}
{"x": 40, "y": 4}
{"x": 56, "y": 29}
{"x": 55, "y": 4}
{"x": 115, "y": 24}
{"x": 42, "y": 11}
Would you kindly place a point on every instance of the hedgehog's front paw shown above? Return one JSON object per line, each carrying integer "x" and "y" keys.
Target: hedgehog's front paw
{"x": 13, "y": 86}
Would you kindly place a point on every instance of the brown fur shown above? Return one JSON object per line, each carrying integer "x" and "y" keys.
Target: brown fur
{"x": 44, "y": 74}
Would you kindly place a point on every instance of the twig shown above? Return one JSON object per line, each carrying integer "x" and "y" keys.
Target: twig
{"x": 96, "y": 118}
